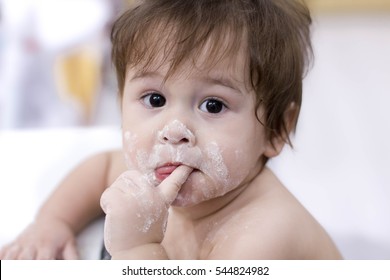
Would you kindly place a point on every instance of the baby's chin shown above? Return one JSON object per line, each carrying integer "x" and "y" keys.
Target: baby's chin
{"x": 183, "y": 200}
{"x": 198, "y": 189}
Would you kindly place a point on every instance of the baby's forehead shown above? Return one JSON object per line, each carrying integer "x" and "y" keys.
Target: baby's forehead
{"x": 204, "y": 60}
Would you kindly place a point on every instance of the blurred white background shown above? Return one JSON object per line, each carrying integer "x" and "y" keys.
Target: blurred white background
{"x": 339, "y": 168}
{"x": 55, "y": 75}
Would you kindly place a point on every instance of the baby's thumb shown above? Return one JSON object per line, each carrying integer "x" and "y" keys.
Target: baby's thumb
{"x": 171, "y": 186}
{"x": 70, "y": 251}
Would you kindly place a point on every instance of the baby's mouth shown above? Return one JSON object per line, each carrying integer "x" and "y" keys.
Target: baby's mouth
{"x": 164, "y": 171}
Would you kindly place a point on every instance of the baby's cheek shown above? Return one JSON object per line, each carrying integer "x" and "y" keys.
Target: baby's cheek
{"x": 236, "y": 164}
{"x": 225, "y": 166}
{"x": 128, "y": 160}
{"x": 130, "y": 141}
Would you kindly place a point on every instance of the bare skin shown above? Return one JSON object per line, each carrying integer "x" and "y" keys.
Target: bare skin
{"x": 232, "y": 227}
{"x": 262, "y": 221}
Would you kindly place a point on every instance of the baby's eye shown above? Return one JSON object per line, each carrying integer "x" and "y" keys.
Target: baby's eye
{"x": 154, "y": 100}
{"x": 213, "y": 106}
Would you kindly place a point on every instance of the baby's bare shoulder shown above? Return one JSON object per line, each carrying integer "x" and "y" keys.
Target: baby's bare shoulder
{"x": 272, "y": 224}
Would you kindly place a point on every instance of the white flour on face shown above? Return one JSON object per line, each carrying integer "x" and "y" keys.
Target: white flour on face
{"x": 175, "y": 132}
{"x": 215, "y": 163}
{"x": 169, "y": 148}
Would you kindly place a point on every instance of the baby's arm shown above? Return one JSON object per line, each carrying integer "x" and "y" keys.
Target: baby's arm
{"x": 71, "y": 207}
{"x": 137, "y": 212}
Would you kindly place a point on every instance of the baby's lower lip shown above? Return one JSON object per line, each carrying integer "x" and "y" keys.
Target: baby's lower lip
{"x": 164, "y": 171}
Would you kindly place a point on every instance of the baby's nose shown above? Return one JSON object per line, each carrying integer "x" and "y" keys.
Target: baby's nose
{"x": 176, "y": 133}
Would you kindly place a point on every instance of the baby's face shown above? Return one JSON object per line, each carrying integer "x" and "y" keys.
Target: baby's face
{"x": 202, "y": 119}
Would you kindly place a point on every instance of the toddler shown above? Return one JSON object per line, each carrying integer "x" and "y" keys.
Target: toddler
{"x": 210, "y": 90}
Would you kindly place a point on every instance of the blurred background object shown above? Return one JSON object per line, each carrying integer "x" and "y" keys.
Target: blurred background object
{"x": 348, "y": 5}
{"x": 55, "y": 68}
{"x": 79, "y": 78}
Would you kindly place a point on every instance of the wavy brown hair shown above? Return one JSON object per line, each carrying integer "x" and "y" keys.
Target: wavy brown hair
{"x": 275, "y": 33}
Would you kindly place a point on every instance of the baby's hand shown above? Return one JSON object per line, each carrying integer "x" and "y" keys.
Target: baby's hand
{"x": 42, "y": 240}
{"x": 136, "y": 211}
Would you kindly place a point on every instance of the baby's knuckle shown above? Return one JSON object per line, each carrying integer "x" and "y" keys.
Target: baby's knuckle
{"x": 27, "y": 254}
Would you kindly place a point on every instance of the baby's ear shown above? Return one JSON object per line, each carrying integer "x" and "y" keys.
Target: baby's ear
{"x": 275, "y": 144}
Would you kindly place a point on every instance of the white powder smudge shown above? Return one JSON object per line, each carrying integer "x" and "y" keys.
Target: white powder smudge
{"x": 147, "y": 213}
{"x": 174, "y": 132}
{"x": 215, "y": 164}
{"x": 208, "y": 160}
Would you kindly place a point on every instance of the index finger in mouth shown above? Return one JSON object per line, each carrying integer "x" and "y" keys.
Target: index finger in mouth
{"x": 171, "y": 186}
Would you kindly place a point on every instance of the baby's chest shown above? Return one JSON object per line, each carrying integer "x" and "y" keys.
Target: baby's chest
{"x": 187, "y": 244}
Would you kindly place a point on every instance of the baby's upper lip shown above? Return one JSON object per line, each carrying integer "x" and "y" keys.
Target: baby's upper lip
{"x": 168, "y": 167}
{"x": 168, "y": 164}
